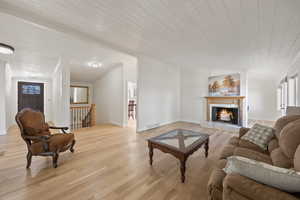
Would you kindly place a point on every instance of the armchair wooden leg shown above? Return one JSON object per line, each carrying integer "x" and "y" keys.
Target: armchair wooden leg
{"x": 72, "y": 146}
{"x": 29, "y": 157}
{"x": 55, "y": 158}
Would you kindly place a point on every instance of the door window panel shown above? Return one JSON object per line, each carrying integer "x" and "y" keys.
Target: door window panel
{"x": 31, "y": 89}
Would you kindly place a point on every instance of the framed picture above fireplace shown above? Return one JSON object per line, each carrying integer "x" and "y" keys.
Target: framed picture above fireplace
{"x": 224, "y": 85}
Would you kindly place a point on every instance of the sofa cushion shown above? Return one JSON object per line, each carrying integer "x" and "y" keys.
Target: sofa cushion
{"x": 279, "y": 159}
{"x": 249, "y": 145}
{"x": 290, "y": 138}
{"x": 227, "y": 151}
{"x": 221, "y": 163}
{"x": 273, "y": 144}
{"x": 281, "y": 178}
{"x": 297, "y": 159}
{"x": 234, "y": 141}
{"x": 282, "y": 122}
{"x": 251, "y": 154}
{"x": 260, "y": 135}
{"x": 232, "y": 194}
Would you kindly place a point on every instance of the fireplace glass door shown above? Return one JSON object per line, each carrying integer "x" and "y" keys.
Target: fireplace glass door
{"x": 227, "y": 115}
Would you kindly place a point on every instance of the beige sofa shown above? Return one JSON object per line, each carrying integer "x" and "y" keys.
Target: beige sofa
{"x": 283, "y": 151}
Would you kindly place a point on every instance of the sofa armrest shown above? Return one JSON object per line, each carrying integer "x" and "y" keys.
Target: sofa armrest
{"x": 215, "y": 184}
{"x": 243, "y": 131}
{"x": 235, "y": 184}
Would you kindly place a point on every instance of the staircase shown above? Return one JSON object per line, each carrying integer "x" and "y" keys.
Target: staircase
{"x": 82, "y": 116}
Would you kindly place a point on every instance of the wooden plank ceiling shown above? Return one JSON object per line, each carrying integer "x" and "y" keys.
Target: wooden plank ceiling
{"x": 242, "y": 34}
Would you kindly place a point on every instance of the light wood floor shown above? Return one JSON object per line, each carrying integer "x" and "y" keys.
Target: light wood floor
{"x": 109, "y": 163}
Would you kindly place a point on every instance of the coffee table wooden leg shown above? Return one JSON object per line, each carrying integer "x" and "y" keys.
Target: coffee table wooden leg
{"x": 206, "y": 147}
{"x": 182, "y": 169}
{"x": 150, "y": 153}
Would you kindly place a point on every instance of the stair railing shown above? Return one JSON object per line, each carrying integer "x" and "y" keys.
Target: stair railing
{"x": 83, "y": 116}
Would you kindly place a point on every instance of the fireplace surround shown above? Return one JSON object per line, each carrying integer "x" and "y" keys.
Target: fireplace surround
{"x": 226, "y": 109}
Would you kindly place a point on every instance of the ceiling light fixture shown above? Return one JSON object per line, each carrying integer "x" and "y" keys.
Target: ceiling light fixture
{"x": 95, "y": 64}
{"x": 6, "y": 49}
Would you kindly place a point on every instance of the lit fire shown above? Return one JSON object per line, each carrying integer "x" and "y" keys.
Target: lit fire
{"x": 225, "y": 115}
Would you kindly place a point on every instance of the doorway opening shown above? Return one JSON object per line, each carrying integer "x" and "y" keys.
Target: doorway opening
{"x": 131, "y": 103}
{"x": 31, "y": 95}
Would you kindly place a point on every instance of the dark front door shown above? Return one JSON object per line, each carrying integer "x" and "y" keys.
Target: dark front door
{"x": 31, "y": 95}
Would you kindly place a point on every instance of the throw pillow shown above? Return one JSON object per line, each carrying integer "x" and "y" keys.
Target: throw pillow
{"x": 281, "y": 178}
{"x": 259, "y": 135}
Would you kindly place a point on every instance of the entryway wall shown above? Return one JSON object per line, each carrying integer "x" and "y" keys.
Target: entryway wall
{"x": 108, "y": 96}
{"x": 2, "y": 99}
{"x": 12, "y": 99}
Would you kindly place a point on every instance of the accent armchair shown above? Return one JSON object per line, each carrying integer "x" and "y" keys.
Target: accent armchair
{"x": 40, "y": 142}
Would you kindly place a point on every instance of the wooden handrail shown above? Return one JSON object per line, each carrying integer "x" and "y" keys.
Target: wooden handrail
{"x": 74, "y": 107}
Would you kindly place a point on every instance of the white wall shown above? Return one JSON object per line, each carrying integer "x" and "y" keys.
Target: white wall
{"x": 8, "y": 93}
{"x": 194, "y": 88}
{"x": 61, "y": 95}
{"x": 262, "y": 97}
{"x": 109, "y": 96}
{"x": 158, "y": 93}
{"x": 2, "y": 98}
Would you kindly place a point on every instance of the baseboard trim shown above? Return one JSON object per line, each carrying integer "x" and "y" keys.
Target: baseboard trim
{"x": 3, "y": 132}
{"x": 116, "y": 123}
{"x": 160, "y": 125}
{"x": 190, "y": 121}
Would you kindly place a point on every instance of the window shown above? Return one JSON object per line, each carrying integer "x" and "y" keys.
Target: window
{"x": 287, "y": 93}
{"x": 31, "y": 89}
{"x": 293, "y": 90}
{"x": 279, "y": 94}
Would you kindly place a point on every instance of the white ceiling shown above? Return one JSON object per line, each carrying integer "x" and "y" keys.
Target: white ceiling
{"x": 39, "y": 50}
{"x": 258, "y": 35}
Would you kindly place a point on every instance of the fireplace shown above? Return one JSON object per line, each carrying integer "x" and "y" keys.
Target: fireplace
{"x": 225, "y": 114}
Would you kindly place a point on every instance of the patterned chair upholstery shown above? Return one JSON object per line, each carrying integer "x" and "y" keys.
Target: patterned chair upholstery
{"x": 40, "y": 142}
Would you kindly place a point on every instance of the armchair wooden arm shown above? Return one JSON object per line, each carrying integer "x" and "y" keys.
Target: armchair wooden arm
{"x": 63, "y": 129}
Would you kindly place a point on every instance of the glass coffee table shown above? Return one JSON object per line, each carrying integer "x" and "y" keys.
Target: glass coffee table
{"x": 180, "y": 143}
